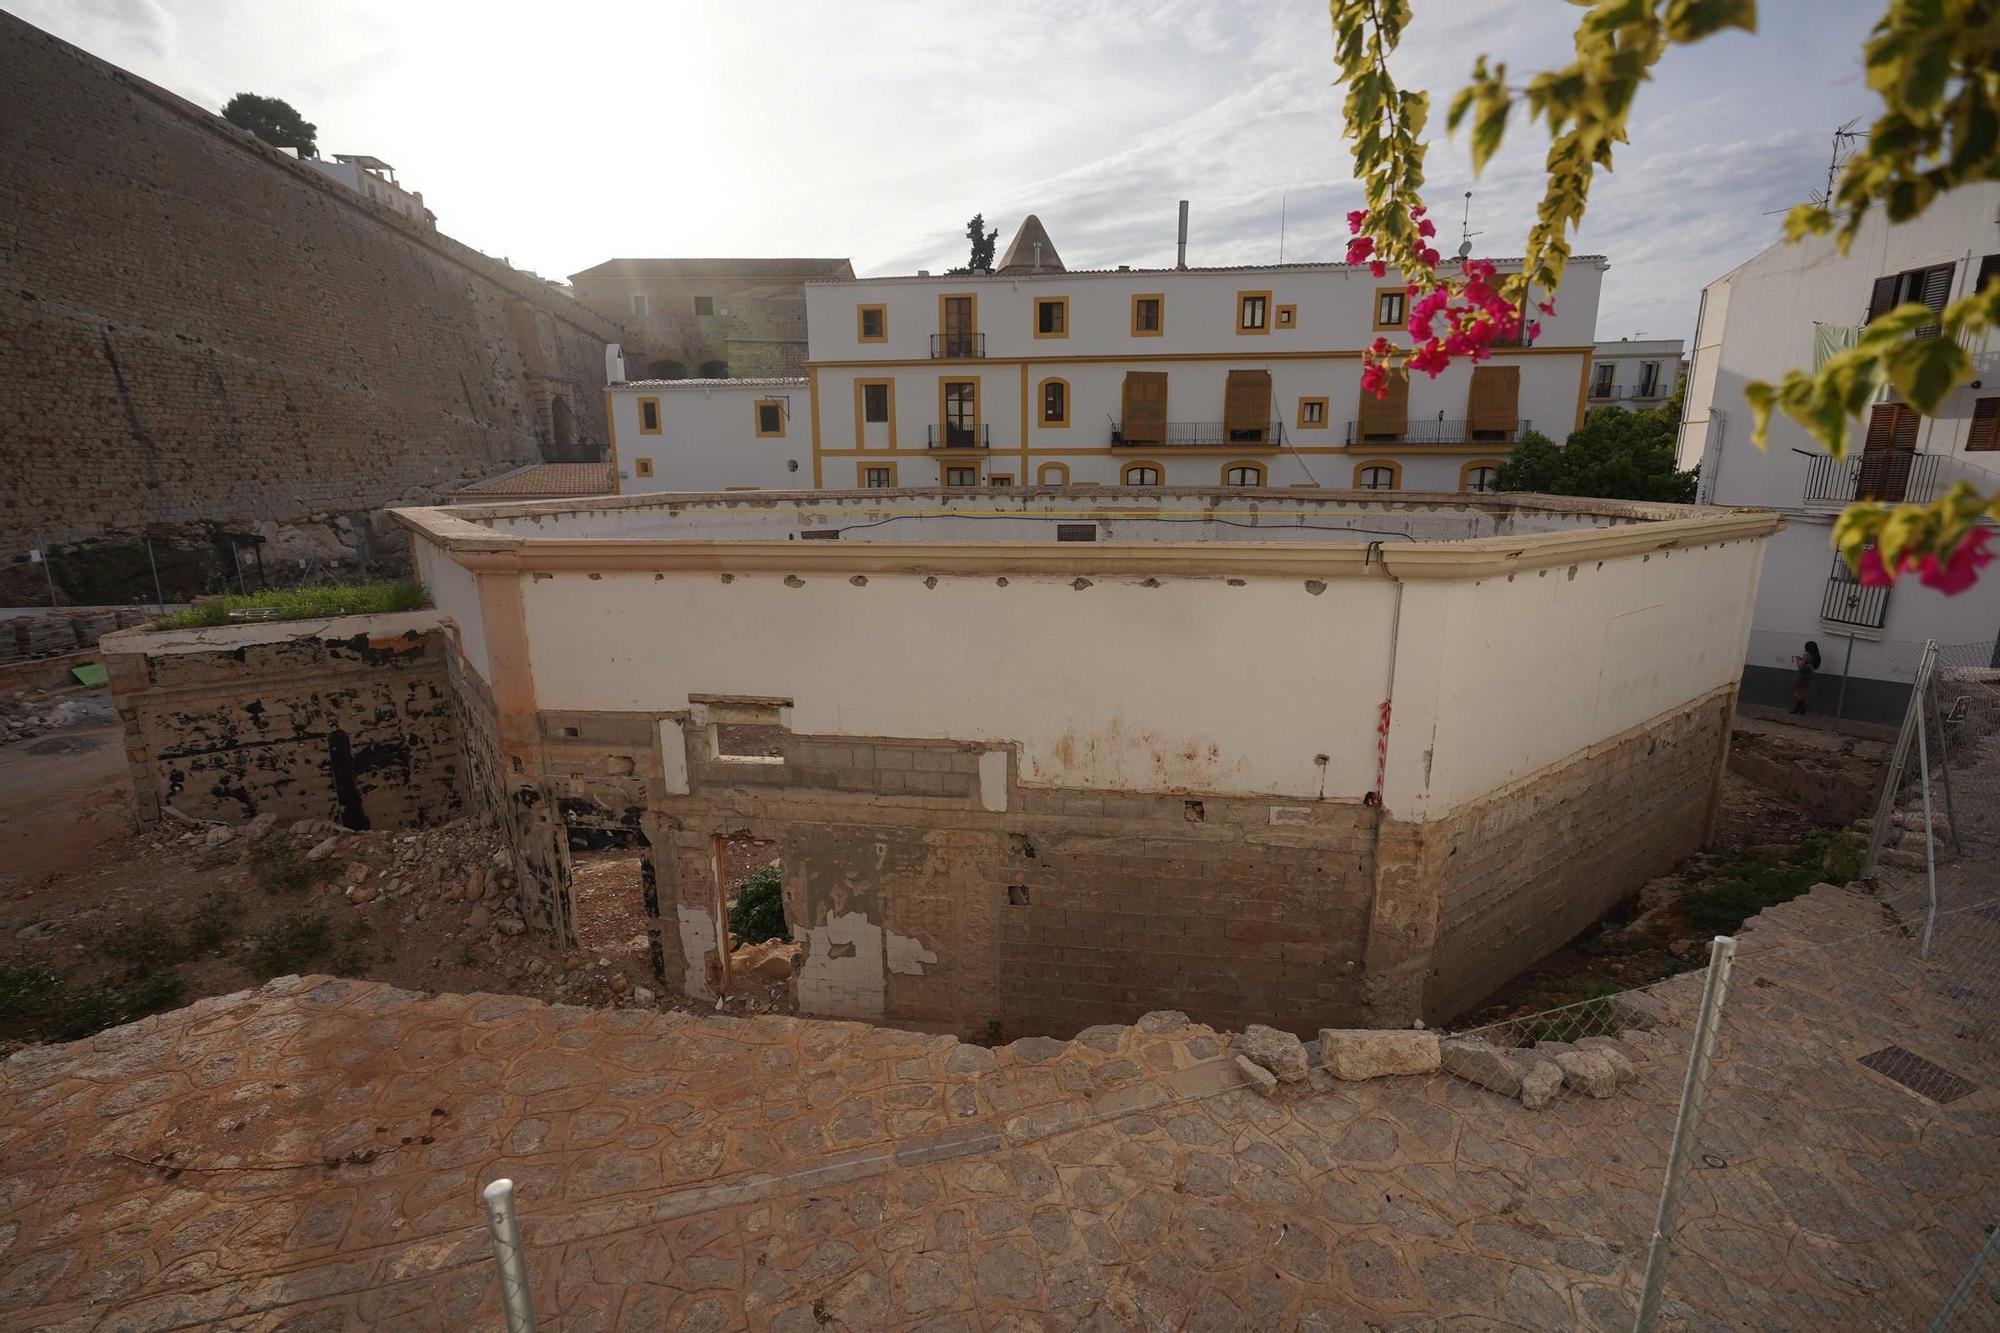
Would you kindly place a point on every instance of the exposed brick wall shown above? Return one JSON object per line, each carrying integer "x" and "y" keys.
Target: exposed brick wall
{"x": 194, "y": 327}
{"x": 1525, "y": 870}
{"x": 358, "y": 729}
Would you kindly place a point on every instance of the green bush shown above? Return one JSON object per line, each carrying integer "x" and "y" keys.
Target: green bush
{"x": 292, "y": 943}
{"x": 346, "y": 599}
{"x": 214, "y": 921}
{"x": 1738, "y": 891}
{"x": 143, "y": 945}
{"x": 758, "y": 914}
{"x": 28, "y": 992}
{"x": 35, "y": 1000}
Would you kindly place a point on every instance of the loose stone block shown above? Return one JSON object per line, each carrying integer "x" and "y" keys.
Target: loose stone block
{"x": 1261, "y": 1080}
{"x": 1539, "y": 1085}
{"x": 1358, "y": 1053}
{"x": 1589, "y": 1072}
{"x": 1479, "y": 1061}
{"x": 1280, "y": 1052}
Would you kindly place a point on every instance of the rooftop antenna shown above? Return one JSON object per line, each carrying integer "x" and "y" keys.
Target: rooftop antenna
{"x": 1283, "y": 200}
{"x": 1465, "y": 231}
{"x": 1843, "y": 148}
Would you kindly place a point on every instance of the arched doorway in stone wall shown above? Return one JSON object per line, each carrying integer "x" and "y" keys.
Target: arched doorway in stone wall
{"x": 666, "y": 370}
{"x": 715, "y": 370}
{"x": 563, "y": 424}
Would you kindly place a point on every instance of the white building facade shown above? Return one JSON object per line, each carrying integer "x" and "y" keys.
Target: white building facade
{"x": 711, "y": 435}
{"x": 1769, "y": 316}
{"x": 1635, "y": 374}
{"x": 1038, "y": 376}
{"x": 374, "y": 179}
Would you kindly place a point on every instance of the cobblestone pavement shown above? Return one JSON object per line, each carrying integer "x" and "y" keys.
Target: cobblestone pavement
{"x": 307, "y": 1155}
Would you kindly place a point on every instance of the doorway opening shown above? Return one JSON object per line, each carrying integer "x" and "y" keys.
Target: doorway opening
{"x": 563, "y": 424}
{"x": 757, "y": 967}
{"x": 613, "y": 913}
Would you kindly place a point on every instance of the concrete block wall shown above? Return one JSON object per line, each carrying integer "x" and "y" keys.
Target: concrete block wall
{"x": 349, "y": 720}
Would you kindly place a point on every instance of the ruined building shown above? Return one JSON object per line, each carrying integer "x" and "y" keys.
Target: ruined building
{"x": 1047, "y": 760}
{"x": 205, "y": 342}
{"x": 708, "y": 318}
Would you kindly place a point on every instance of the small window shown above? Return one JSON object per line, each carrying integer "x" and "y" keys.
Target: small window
{"x": 770, "y": 418}
{"x": 649, "y": 416}
{"x": 1000, "y": 479}
{"x": 1600, "y": 384}
{"x": 1480, "y": 477}
{"x": 1243, "y": 474}
{"x": 961, "y": 476}
{"x": 1253, "y": 312}
{"x": 1055, "y": 402}
{"x": 638, "y": 305}
{"x": 1052, "y": 474}
{"x": 1288, "y": 316}
{"x": 1141, "y": 474}
{"x": 1390, "y": 305}
{"x": 878, "y": 478}
{"x": 871, "y": 323}
{"x": 1148, "y": 315}
{"x": 1312, "y": 414}
{"x": 1376, "y": 477}
{"x": 1985, "y": 433}
{"x": 875, "y": 404}
{"x": 1052, "y": 317}
{"x": 642, "y": 467}
{"x": 1076, "y": 532}
{"x": 704, "y": 305}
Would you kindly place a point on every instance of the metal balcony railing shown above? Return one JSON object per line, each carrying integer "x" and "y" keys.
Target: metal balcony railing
{"x": 957, "y": 346}
{"x": 1892, "y": 478}
{"x": 1617, "y": 392}
{"x": 1198, "y": 435}
{"x": 1439, "y": 432}
{"x": 1847, "y": 602}
{"x": 958, "y": 437}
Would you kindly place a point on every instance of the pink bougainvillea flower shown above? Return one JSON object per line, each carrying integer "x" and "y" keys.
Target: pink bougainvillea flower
{"x": 1546, "y": 307}
{"x": 1959, "y": 570}
{"x": 1431, "y": 358}
{"x": 1375, "y": 379}
{"x": 1356, "y": 220}
{"x": 1871, "y": 572}
{"x": 1417, "y": 210}
{"x": 1359, "y": 249}
{"x": 1428, "y": 255}
{"x": 1379, "y": 269}
{"x": 1425, "y": 227}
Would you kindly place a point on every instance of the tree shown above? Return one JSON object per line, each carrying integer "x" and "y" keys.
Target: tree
{"x": 273, "y": 120}
{"x": 1614, "y": 455}
{"x": 983, "y": 243}
{"x": 1934, "y": 63}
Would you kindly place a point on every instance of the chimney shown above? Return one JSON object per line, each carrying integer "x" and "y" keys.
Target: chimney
{"x": 1180, "y": 256}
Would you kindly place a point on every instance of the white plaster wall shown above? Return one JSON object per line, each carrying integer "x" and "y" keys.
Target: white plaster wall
{"x": 708, "y": 439}
{"x": 454, "y": 592}
{"x": 1498, "y": 678}
{"x": 1193, "y": 685}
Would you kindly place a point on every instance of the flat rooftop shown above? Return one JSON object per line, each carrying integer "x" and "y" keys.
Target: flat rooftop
{"x": 1191, "y": 529}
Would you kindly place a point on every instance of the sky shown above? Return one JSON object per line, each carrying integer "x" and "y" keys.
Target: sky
{"x": 562, "y": 135}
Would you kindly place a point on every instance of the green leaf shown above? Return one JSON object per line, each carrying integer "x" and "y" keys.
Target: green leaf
{"x": 1924, "y": 370}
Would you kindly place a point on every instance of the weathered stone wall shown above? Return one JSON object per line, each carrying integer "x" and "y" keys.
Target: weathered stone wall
{"x": 347, "y": 721}
{"x": 195, "y": 328}
{"x": 1526, "y": 869}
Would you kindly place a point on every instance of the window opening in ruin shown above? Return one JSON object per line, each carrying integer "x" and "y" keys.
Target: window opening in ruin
{"x": 614, "y": 931}
{"x": 751, "y": 742}
{"x": 763, "y": 951}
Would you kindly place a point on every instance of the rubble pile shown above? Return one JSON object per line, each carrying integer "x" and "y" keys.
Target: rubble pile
{"x": 26, "y": 714}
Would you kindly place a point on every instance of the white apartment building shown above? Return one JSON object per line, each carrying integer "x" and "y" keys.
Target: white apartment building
{"x": 1036, "y": 375}
{"x": 1635, "y": 374}
{"x": 1776, "y": 313}
{"x": 372, "y": 178}
{"x": 712, "y": 435}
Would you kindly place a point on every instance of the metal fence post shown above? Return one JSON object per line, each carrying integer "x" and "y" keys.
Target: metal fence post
{"x": 1695, "y": 1087}
{"x": 1944, "y": 1319}
{"x": 506, "y": 1228}
{"x": 1930, "y": 841}
{"x": 1892, "y": 781}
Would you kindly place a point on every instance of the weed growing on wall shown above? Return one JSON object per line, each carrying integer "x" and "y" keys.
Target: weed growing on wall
{"x": 758, "y": 914}
{"x": 347, "y": 599}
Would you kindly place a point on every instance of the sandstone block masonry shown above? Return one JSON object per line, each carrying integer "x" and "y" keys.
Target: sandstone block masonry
{"x": 195, "y": 328}
{"x": 349, "y": 720}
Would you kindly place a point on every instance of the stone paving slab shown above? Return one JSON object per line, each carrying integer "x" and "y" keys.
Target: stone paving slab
{"x": 308, "y": 1155}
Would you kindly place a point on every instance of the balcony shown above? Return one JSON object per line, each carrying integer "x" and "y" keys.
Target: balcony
{"x": 1627, "y": 393}
{"x": 958, "y": 437}
{"x": 1439, "y": 432}
{"x": 1892, "y": 478}
{"x": 958, "y": 346}
{"x": 1202, "y": 435}
{"x": 1846, "y": 602}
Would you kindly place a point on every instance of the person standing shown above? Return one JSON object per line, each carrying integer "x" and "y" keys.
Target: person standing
{"x": 1807, "y": 662}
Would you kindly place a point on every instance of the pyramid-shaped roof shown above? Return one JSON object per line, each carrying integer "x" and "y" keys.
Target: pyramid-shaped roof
{"x": 1021, "y": 256}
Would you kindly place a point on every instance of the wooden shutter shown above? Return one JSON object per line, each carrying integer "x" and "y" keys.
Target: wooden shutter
{"x": 1985, "y": 433}
{"x": 1143, "y": 419}
{"x": 1887, "y": 453}
{"x": 1989, "y": 269}
{"x": 1883, "y": 298}
{"x": 1494, "y": 402}
{"x": 1246, "y": 405}
{"x": 1935, "y": 288}
{"x": 1385, "y": 418}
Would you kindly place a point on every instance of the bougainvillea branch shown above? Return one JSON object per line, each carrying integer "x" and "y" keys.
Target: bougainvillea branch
{"x": 1936, "y": 65}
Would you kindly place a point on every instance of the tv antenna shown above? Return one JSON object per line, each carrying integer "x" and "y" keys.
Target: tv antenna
{"x": 1843, "y": 148}
{"x": 1465, "y": 231}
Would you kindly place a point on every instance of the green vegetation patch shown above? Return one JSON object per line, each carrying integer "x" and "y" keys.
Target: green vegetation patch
{"x": 758, "y": 914}
{"x": 345, "y": 599}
